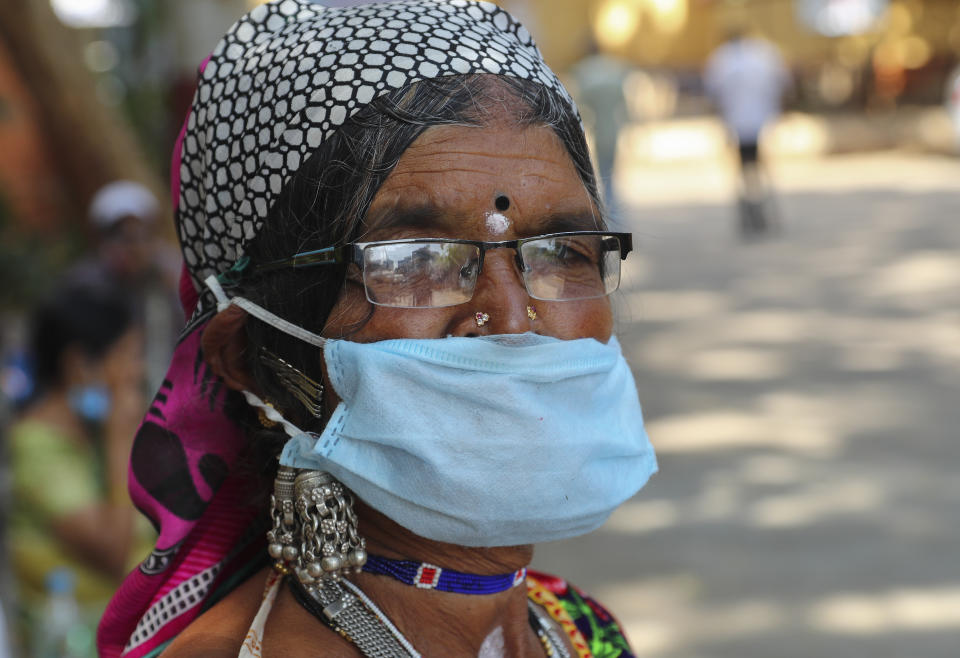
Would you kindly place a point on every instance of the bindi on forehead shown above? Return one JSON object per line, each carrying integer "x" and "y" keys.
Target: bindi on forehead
{"x": 496, "y": 223}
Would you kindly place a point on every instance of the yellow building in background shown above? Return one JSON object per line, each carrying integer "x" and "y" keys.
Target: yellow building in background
{"x": 905, "y": 50}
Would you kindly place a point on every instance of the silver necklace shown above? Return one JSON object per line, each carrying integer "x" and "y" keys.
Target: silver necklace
{"x": 351, "y": 613}
{"x": 553, "y": 644}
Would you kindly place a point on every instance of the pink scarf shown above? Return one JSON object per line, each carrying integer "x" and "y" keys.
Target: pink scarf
{"x": 180, "y": 479}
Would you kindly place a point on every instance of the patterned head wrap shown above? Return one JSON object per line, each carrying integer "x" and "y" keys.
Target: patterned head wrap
{"x": 289, "y": 74}
{"x": 280, "y": 83}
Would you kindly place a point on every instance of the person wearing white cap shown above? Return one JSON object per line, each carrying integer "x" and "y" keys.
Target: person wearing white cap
{"x": 130, "y": 259}
{"x": 123, "y": 213}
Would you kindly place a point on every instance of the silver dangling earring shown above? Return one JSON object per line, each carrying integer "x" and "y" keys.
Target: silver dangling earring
{"x": 330, "y": 544}
{"x": 314, "y": 532}
{"x": 283, "y": 537}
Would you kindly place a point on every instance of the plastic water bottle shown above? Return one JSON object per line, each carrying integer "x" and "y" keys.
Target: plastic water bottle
{"x": 61, "y": 632}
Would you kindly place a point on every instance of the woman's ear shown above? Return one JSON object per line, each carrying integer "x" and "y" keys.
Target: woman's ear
{"x": 224, "y": 345}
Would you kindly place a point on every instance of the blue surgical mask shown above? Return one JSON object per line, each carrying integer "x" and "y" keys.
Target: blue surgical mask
{"x": 91, "y": 402}
{"x": 491, "y": 441}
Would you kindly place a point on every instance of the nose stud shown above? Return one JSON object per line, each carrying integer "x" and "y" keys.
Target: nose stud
{"x": 532, "y": 312}
{"x": 482, "y": 318}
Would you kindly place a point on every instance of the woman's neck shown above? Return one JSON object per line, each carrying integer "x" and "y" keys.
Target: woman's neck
{"x": 389, "y": 539}
{"x": 444, "y": 623}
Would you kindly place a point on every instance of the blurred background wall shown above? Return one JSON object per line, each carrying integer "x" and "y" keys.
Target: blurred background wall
{"x": 844, "y": 54}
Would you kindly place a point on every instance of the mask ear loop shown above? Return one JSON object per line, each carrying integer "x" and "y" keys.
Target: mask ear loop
{"x": 223, "y": 303}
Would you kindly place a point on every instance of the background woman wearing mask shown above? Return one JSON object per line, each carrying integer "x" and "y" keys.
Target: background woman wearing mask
{"x": 69, "y": 452}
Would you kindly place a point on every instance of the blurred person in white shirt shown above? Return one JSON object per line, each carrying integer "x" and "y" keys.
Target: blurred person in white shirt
{"x": 746, "y": 79}
{"x": 952, "y": 99}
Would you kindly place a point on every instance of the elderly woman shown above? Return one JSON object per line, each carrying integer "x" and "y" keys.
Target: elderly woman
{"x": 398, "y": 272}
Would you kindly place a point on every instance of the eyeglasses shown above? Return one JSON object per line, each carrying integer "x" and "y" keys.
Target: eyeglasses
{"x": 437, "y": 272}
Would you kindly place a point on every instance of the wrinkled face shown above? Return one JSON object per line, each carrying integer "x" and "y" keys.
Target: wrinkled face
{"x": 494, "y": 183}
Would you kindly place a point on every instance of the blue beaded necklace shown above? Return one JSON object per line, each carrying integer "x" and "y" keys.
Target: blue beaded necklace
{"x": 430, "y": 576}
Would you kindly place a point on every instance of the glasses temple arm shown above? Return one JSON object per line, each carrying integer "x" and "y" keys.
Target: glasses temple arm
{"x": 626, "y": 244}
{"x": 326, "y": 256}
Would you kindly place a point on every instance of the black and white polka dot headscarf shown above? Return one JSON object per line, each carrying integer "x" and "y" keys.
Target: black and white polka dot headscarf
{"x": 290, "y": 73}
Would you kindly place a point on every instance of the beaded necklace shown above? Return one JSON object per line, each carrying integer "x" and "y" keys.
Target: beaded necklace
{"x": 424, "y": 575}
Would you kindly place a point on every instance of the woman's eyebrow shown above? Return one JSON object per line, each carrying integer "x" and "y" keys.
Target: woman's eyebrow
{"x": 564, "y": 221}
{"x": 422, "y": 215}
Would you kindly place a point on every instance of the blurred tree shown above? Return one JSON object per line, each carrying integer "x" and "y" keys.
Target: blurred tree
{"x": 91, "y": 143}
{"x": 28, "y": 263}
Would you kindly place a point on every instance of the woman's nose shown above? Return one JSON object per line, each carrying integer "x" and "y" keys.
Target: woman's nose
{"x": 501, "y": 294}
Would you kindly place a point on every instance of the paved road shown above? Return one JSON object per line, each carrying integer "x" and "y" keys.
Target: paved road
{"x": 804, "y": 396}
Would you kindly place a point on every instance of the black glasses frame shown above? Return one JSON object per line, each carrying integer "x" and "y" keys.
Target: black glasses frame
{"x": 353, "y": 252}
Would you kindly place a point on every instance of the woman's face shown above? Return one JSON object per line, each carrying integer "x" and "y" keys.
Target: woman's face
{"x": 447, "y": 185}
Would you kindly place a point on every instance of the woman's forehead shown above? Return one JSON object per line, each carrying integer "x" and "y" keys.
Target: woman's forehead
{"x": 452, "y": 176}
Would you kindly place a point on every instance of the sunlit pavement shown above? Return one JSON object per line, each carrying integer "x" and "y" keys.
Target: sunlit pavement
{"x": 803, "y": 392}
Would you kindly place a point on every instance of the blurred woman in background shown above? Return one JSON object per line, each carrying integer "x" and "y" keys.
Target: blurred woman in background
{"x": 71, "y": 521}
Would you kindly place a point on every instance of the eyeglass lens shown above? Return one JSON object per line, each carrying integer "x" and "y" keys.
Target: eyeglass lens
{"x": 435, "y": 274}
